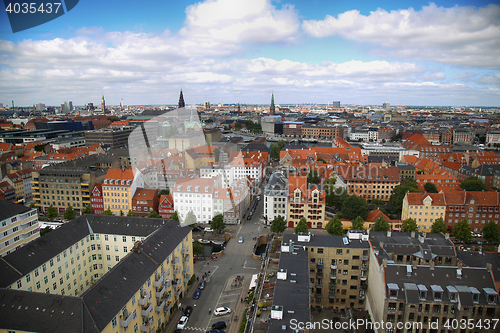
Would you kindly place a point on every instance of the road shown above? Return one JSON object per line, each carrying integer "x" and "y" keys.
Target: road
{"x": 236, "y": 260}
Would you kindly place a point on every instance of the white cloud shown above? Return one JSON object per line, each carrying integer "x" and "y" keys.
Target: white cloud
{"x": 462, "y": 36}
{"x": 490, "y": 79}
{"x": 464, "y": 76}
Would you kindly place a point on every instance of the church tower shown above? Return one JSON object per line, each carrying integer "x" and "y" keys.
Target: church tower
{"x": 272, "y": 108}
{"x": 181, "y": 101}
{"x": 103, "y": 104}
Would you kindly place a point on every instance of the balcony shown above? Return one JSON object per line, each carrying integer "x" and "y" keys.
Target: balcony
{"x": 331, "y": 295}
{"x": 167, "y": 272}
{"x": 362, "y": 295}
{"x": 26, "y": 235}
{"x": 178, "y": 292}
{"x": 186, "y": 258}
{"x": 168, "y": 284}
{"x": 168, "y": 296}
{"x": 146, "y": 326}
{"x": 176, "y": 260}
{"x": 145, "y": 298}
{"x": 158, "y": 280}
{"x": 319, "y": 266}
{"x": 363, "y": 277}
{"x": 177, "y": 271}
{"x": 160, "y": 292}
{"x": 333, "y": 275}
{"x": 168, "y": 307}
{"x": 185, "y": 249}
{"x": 185, "y": 270}
{"x": 364, "y": 257}
{"x": 364, "y": 267}
{"x": 319, "y": 284}
{"x": 319, "y": 274}
{"x": 333, "y": 266}
{"x": 160, "y": 306}
{"x": 146, "y": 309}
{"x": 127, "y": 318}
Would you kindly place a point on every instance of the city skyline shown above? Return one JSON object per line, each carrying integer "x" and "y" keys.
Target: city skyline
{"x": 418, "y": 53}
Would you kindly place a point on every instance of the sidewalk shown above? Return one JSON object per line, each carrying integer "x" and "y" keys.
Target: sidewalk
{"x": 176, "y": 315}
{"x": 234, "y": 327}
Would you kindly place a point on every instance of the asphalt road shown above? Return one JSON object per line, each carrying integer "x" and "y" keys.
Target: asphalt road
{"x": 236, "y": 260}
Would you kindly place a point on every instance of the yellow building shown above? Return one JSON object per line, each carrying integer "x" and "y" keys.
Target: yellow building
{"x": 199, "y": 156}
{"x": 145, "y": 277}
{"x": 424, "y": 208}
{"x": 16, "y": 182}
{"x": 119, "y": 187}
{"x": 18, "y": 226}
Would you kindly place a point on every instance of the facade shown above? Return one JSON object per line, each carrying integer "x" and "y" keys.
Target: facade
{"x": 463, "y": 135}
{"x": 96, "y": 201}
{"x": 338, "y": 269}
{"x": 424, "y": 208}
{"x": 493, "y": 137}
{"x": 275, "y": 197}
{"x": 145, "y": 287}
{"x": 144, "y": 201}
{"x": 118, "y": 189}
{"x": 322, "y": 131}
{"x": 185, "y": 141}
{"x": 17, "y": 183}
{"x": 7, "y": 191}
{"x": 18, "y": 226}
{"x": 112, "y": 137}
{"x": 166, "y": 206}
{"x": 444, "y": 182}
{"x": 243, "y": 167}
{"x": 446, "y": 137}
{"x": 213, "y": 135}
{"x": 406, "y": 171}
{"x": 195, "y": 195}
{"x": 369, "y": 182}
{"x": 199, "y": 156}
{"x": 232, "y": 202}
{"x": 293, "y": 128}
{"x": 305, "y": 200}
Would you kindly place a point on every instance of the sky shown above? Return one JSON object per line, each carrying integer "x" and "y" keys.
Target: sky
{"x": 241, "y": 51}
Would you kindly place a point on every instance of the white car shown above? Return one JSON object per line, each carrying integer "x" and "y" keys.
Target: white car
{"x": 209, "y": 229}
{"x": 240, "y": 240}
{"x": 222, "y": 311}
{"x": 182, "y": 322}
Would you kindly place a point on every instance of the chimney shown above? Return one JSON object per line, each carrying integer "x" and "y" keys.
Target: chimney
{"x": 389, "y": 234}
{"x": 384, "y": 262}
{"x": 421, "y": 238}
{"x": 414, "y": 264}
{"x": 381, "y": 245}
{"x": 459, "y": 265}
{"x": 446, "y": 236}
{"x": 413, "y": 234}
{"x": 489, "y": 266}
{"x": 432, "y": 264}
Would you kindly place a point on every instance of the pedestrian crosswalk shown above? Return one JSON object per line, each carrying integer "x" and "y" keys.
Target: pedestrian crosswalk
{"x": 195, "y": 329}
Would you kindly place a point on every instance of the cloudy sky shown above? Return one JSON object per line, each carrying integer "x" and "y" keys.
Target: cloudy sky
{"x": 314, "y": 51}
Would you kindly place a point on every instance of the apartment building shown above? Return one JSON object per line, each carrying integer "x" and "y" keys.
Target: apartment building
{"x": 199, "y": 156}
{"x": 111, "y": 137}
{"x": 425, "y": 208}
{"x": 406, "y": 171}
{"x": 21, "y": 181}
{"x": 166, "y": 206}
{"x": 493, "y": 136}
{"x": 369, "y": 182}
{"x": 463, "y": 135}
{"x": 293, "y": 128}
{"x": 338, "y": 269}
{"x": 446, "y": 137}
{"x": 7, "y": 191}
{"x": 96, "y": 201}
{"x": 140, "y": 289}
{"x": 195, "y": 194}
{"x": 18, "y": 226}
{"x": 232, "y": 202}
{"x": 322, "y": 131}
{"x": 444, "y": 181}
{"x": 69, "y": 183}
{"x": 243, "y": 167}
{"x": 305, "y": 200}
{"x": 144, "y": 201}
{"x": 118, "y": 189}
{"x": 185, "y": 141}
{"x": 275, "y": 197}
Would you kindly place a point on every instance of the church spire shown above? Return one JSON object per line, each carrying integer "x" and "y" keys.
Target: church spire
{"x": 103, "y": 104}
{"x": 181, "y": 101}
{"x": 272, "y": 108}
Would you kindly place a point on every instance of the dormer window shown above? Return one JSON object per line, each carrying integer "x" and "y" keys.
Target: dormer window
{"x": 422, "y": 292}
{"x": 179, "y": 187}
{"x": 207, "y": 188}
{"x": 123, "y": 181}
{"x": 452, "y": 293}
{"x": 105, "y": 181}
{"x": 393, "y": 290}
{"x": 189, "y": 188}
{"x": 491, "y": 295}
{"x": 129, "y": 182}
{"x": 475, "y": 295}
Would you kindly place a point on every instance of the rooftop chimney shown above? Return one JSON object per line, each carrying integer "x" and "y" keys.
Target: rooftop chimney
{"x": 459, "y": 265}
{"x": 414, "y": 264}
{"x": 384, "y": 262}
{"x": 489, "y": 266}
{"x": 446, "y": 236}
{"x": 381, "y": 245}
{"x": 389, "y": 233}
{"x": 432, "y": 264}
{"x": 413, "y": 234}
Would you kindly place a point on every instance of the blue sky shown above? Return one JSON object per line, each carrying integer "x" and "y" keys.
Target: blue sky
{"x": 402, "y": 52}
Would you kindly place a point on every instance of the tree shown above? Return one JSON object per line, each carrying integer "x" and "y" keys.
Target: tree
{"x": 153, "y": 214}
{"x": 312, "y": 177}
{"x": 108, "y": 212}
{"x": 278, "y": 225}
{"x": 398, "y": 195}
{"x": 87, "y": 210}
{"x": 381, "y": 225}
{"x": 354, "y": 206}
{"x": 473, "y": 184}
{"x": 275, "y": 151}
{"x": 461, "y": 231}
{"x": 51, "y": 212}
{"x": 237, "y": 126}
{"x": 190, "y": 218}
{"x": 175, "y": 216}
{"x": 334, "y": 227}
{"x": 45, "y": 231}
{"x": 163, "y": 192}
{"x": 409, "y": 225}
{"x": 410, "y": 181}
{"x": 377, "y": 202}
{"x": 218, "y": 223}
{"x": 69, "y": 213}
{"x": 491, "y": 232}
{"x": 358, "y": 223}
{"x": 32, "y": 205}
{"x": 439, "y": 226}
{"x": 430, "y": 188}
{"x": 197, "y": 248}
{"x": 130, "y": 213}
{"x": 121, "y": 212}
{"x": 301, "y": 226}
{"x": 338, "y": 196}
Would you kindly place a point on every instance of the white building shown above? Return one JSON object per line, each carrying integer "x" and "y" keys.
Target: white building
{"x": 18, "y": 226}
{"x": 242, "y": 167}
{"x": 493, "y": 136}
{"x": 196, "y": 194}
{"x": 275, "y": 197}
{"x": 356, "y": 135}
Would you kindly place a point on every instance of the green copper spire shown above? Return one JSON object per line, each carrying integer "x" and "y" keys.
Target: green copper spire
{"x": 272, "y": 108}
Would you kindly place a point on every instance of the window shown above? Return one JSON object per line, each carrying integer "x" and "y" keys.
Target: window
{"x": 125, "y": 249}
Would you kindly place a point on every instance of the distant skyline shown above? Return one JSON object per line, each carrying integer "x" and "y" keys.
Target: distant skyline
{"x": 230, "y": 51}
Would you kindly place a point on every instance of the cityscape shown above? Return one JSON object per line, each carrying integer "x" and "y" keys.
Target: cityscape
{"x": 251, "y": 167}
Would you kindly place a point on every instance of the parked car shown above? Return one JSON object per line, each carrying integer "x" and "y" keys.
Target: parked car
{"x": 222, "y": 311}
{"x": 198, "y": 228}
{"x": 188, "y": 311}
{"x": 209, "y": 229}
{"x": 249, "y": 217}
{"x": 182, "y": 322}
{"x": 219, "y": 325}
{"x": 215, "y": 331}
{"x": 202, "y": 285}
{"x": 240, "y": 240}
{"x": 197, "y": 294}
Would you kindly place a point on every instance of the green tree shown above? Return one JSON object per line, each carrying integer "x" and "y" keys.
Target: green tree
{"x": 281, "y": 144}
{"x": 121, "y": 212}
{"x": 40, "y": 147}
{"x": 491, "y": 232}
{"x": 218, "y": 223}
{"x": 398, "y": 195}
{"x": 32, "y": 205}
{"x": 190, "y": 218}
{"x": 334, "y": 227}
{"x": 175, "y": 216}
{"x": 69, "y": 213}
{"x": 473, "y": 184}
{"x": 354, "y": 206}
{"x": 337, "y": 198}
{"x": 377, "y": 202}
{"x": 237, "y": 126}
{"x": 278, "y": 225}
{"x": 430, "y": 188}
{"x": 409, "y": 225}
{"x": 275, "y": 151}
{"x": 108, "y": 212}
{"x": 301, "y": 226}
{"x": 381, "y": 225}
{"x": 131, "y": 213}
{"x": 410, "y": 181}
{"x": 45, "y": 231}
{"x": 461, "y": 231}
{"x": 51, "y": 212}
{"x": 87, "y": 210}
{"x": 439, "y": 226}
{"x": 312, "y": 177}
{"x": 163, "y": 192}
{"x": 197, "y": 248}
{"x": 153, "y": 214}
{"x": 358, "y": 223}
